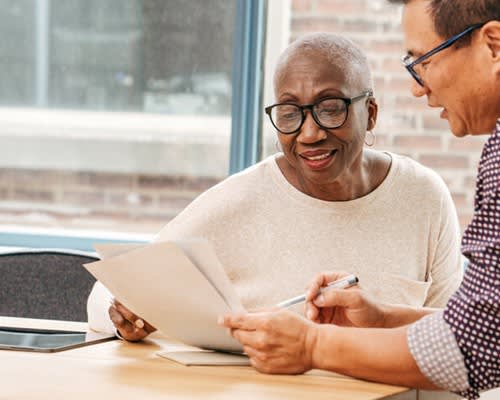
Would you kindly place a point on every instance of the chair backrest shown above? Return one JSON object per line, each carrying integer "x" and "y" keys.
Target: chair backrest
{"x": 45, "y": 283}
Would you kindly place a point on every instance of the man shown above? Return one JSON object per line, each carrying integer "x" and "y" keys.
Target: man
{"x": 454, "y": 58}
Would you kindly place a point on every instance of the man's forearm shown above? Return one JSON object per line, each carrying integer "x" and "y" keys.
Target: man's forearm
{"x": 396, "y": 315}
{"x": 373, "y": 354}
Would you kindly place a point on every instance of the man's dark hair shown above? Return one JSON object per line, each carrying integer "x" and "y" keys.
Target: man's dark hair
{"x": 451, "y": 16}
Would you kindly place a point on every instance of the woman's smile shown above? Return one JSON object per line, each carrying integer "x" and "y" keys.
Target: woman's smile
{"x": 318, "y": 159}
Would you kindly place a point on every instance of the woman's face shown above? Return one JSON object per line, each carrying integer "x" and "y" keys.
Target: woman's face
{"x": 322, "y": 156}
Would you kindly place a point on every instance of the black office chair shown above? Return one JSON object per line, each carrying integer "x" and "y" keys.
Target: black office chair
{"x": 45, "y": 283}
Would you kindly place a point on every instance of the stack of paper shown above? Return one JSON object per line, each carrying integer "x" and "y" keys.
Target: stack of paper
{"x": 178, "y": 287}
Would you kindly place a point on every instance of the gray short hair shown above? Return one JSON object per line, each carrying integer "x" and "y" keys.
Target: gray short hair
{"x": 338, "y": 50}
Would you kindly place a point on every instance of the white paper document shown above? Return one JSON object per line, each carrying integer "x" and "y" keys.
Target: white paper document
{"x": 178, "y": 287}
{"x": 208, "y": 357}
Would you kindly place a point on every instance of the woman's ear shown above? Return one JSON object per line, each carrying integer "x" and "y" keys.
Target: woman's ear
{"x": 372, "y": 114}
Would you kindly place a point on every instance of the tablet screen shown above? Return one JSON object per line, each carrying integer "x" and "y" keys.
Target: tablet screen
{"x": 47, "y": 340}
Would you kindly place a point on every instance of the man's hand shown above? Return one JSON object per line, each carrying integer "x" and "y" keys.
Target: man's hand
{"x": 343, "y": 307}
{"x": 276, "y": 341}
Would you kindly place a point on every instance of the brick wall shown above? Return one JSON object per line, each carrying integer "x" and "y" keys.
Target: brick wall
{"x": 405, "y": 124}
{"x": 95, "y": 200}
{"x": 144, "y": 203}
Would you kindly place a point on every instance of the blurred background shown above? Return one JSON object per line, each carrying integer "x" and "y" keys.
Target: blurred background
{"x": 115, "y": 114}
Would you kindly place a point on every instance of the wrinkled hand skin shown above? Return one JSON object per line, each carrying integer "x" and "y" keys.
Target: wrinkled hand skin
{"x": 343, "y": 307}
{"x": 125, "y": 322}
{"x": 277, "y": 342}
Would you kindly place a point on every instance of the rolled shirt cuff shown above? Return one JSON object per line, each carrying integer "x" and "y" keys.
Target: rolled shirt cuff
{"x": 436, "y": 352}
{"x": 97, "y": 309}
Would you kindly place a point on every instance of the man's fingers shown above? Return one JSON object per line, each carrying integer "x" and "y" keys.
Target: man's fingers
{"x": 327, "y": 314}
{"x": 240, "y": 321}
{"x": 337, "y": 297}
{"x": 250, "y": 339}
{"x": 311, "y": 311}
{"x": 321, "y": 280}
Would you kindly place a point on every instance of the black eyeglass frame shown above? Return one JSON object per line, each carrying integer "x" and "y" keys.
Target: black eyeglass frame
{"x": 347, "y": 101}
{"x": 410, "y": 65}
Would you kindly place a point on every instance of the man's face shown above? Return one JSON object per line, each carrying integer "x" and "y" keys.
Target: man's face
{"x": 454, "y": 79}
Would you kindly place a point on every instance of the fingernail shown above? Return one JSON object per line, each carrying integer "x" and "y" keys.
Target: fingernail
{"x": 309, "y": 314}
{"x": 139, "y": 323}
{"x": 220, "y": 320}
{"x": 319, "y": 300}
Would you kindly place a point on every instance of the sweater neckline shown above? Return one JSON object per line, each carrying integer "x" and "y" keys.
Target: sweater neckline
{"x": 342, "y": 206}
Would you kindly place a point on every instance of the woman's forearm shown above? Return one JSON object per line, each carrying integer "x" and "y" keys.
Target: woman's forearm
{"x": 373, "y": 354}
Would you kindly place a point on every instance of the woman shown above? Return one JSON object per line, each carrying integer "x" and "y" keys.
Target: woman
{"x": 457, "y": 348}
{"x": 325, "y": 202}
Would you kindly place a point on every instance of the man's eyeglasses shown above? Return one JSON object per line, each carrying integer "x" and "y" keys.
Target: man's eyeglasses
{"x": 329, "y": 113}
{"x": 410, "y": 64}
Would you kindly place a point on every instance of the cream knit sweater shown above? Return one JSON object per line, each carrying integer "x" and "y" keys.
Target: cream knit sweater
{"x": 401, "y": 240}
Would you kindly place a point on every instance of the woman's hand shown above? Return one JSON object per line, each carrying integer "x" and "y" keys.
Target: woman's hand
{"x": 277, "y": 342}
{"x": 129, "y": 325}
{"x": 343, "y": 307}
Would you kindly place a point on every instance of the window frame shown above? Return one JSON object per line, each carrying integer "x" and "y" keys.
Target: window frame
{"x": 245, "y": 137}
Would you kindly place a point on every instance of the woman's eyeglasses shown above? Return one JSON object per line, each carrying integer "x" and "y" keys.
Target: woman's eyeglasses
{"x": 410, "y": 64}
{"x": 328, "y": 113}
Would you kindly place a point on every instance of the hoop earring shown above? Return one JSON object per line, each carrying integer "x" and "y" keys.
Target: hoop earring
{"x": 372, "y": 141}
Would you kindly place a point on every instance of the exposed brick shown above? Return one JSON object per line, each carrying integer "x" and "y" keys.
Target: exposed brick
{"x": 407, "y": 102}
{"x": 301, "y": 5}
{"x": 418, "y": 141}
{"x": 460, "y": 200}
{"x": 313, "y": 24}
{"x": 130, "y": 199}
{"x": 464, "y": 219}
{"x": 390, "y": 26}
{"x": 470, "y": 183}
{"x": 104, "y": 179}
{"x": 174, "y": 202}
{"x": 33, "y": 195}
{"x": 474, "y": 144}
{"x": 340, "y": 6}
{"x": 390, "y": 46}
{"x": 19, "y": 177}
{"x": 84, "y": 198}
{"x": 403, "y": 121}
{"x": 434, "y": 122}
{"x": 178, "y": 182}
{"x": 398, "y": 85}
{"x": 444, "y": 161}
{"x": 392, "y": 64}
{"x": 359, "y": 24}
{"x": 381, "y": 141}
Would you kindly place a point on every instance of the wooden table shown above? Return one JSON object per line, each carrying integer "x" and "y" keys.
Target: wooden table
{"x": 121, "y": 370}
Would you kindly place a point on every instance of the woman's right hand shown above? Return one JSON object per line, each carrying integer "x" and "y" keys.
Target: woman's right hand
{"x": 343, "y": 307}
{"x": 129, "y": 326}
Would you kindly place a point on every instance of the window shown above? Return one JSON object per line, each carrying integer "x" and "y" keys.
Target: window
{"x": 115, "y": 114}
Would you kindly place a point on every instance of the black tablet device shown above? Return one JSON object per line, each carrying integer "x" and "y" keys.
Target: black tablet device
{"x": 46, "y": 340}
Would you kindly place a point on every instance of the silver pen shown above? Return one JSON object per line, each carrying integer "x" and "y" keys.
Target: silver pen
{"x": 343, "y": 283}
